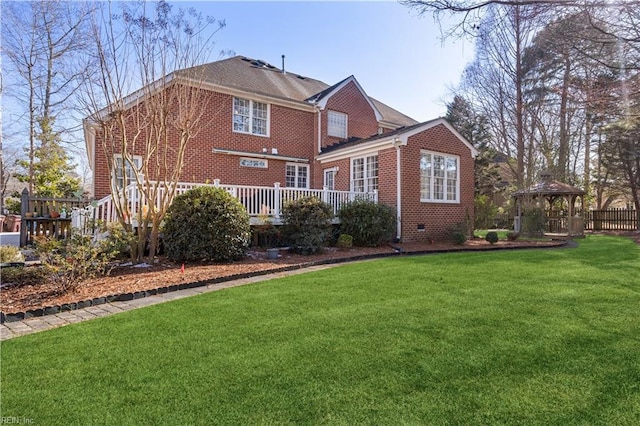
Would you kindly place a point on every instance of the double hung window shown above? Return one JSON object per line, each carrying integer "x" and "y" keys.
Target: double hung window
{"x": 250, "y": 117}
{"x": 337, "y": 124}
{"x": 364, "y": 174}
{"x": 296, "y": 176}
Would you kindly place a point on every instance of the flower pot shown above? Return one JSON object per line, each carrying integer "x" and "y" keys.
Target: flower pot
{"x": 272, "y": 253}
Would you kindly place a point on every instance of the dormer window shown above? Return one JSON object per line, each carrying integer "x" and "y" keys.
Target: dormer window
{"x": 337, "y": 124}
{"x": 250, "y": 117}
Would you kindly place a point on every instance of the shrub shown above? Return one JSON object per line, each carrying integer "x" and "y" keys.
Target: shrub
{"x": 345, "y": 241}
{"x": 491, "y": 237}
{"x": 67, "y": 263}
{"x": 512, "y": 236}
{"x": 10, "y": 254}
{"x": 117, "y": 240}
{"x": 23, "y": 276}
{"x": 12, "y": 205}
{"x": 534, "y": 221}
{"x": 458, "y": 233}
{"x": 484, "y": 212}
{"x": 206, "y": 223}
{"x": 307, "y": 225}
{"x": 369, "y": 224}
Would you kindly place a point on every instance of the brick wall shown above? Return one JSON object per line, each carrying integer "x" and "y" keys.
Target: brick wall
{"x": 436, "y": 217}
{"x": 362, "y": 121}
{"x": 291, "y": 133}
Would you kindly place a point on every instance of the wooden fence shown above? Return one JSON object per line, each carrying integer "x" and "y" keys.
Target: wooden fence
{"x": 594, "y": 220}
{"x": 611, "y": 220}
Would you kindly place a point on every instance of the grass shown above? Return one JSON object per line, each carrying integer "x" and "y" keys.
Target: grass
{"x": 531, "y": 337}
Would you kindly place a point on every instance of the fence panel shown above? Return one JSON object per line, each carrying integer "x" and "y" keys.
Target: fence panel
{"x": 611, "y": 220}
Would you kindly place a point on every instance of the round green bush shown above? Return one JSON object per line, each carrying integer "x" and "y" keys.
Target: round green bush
{"x": 206, "y": 223}
{"x": 512, "y": 236}
{"x": 307, "y": 224}
{"x": 345, "y": 241}
{"x": 458, "y": 237}
{"x": 369, "y": 224}
{"x": 491, "y": 237}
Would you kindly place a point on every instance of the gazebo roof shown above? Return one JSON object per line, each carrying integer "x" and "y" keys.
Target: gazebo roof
{"x": 550, "y": 187}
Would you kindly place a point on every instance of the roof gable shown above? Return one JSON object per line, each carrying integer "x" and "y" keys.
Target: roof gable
{"x": 320, "y": 99}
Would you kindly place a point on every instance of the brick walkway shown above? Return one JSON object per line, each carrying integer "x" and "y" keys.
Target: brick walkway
{"x": 10, "y": 330}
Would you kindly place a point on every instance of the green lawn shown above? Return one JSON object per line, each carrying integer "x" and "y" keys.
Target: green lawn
{"x": 510, "y": 337}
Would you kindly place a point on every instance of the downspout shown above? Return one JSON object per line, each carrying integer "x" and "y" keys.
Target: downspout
{"x": 319, "y": 111}
{"x": 397, "y": 143}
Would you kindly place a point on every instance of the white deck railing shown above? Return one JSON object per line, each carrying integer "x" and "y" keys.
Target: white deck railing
{"x": 257, "y": 200}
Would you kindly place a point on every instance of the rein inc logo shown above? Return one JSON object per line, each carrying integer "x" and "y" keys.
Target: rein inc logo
{"x": 11, "y": 420}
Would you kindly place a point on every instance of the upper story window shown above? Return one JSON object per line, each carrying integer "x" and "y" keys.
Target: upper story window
{"x": 250, "y": 117}
{"x": 364, "y": 174}
{"x": 439, "y": 178}
{"x": 124, "y": 172}
{"x": 296, "y": 176}
{"x": 337, "y": 124}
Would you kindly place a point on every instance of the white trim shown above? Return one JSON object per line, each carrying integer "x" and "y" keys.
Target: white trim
{"x": 259, "y": 155}
{"x": 444, "y": 188}
{"x": 433, "y": 123}
{"x": 290, "y": 103}
{"x": 388, "y": 142}
{"x": 323, "y": 102}
{"x": 357, "y": 150}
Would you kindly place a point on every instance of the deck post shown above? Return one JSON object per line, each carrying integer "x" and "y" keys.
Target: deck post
{"x": 277, "y": 197}
{"x": 24, "y": 208}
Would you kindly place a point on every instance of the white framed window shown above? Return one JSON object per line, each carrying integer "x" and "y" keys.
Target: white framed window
{"x": 330, "y": 178}
{"x": 250, "y": 117}
{"x": 124, "y": 169}
{"x": 337, "y": 124}
{"x": 296, "y": 176}
{"x": 364, "y": 174}
{"x": 439, "y": 177}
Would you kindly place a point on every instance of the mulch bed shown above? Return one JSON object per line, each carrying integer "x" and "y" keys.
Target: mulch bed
{"x": 167, "y": 276}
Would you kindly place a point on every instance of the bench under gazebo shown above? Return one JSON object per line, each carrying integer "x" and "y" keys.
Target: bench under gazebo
{"x": 558, "y": 201}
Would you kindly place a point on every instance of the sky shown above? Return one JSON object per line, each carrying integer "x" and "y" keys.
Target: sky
{"x": 397, "y": 56}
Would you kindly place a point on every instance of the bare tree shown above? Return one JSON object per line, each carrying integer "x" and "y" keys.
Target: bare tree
{"x": 159, "y": 51}
{"x": 496, "y": 82}
{"x": 44, "y": 42}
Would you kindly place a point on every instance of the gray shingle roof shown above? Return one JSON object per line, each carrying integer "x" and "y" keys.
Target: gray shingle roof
{"x": 260, "y": 77}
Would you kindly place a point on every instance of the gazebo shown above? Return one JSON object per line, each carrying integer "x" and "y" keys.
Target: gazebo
{"x": 558, "y": 201}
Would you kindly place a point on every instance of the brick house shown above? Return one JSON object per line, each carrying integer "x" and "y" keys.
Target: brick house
{"x": 264, "y": 127}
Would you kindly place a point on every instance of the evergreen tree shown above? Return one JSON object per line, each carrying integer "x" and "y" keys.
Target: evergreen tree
{"x": 53, "y": 172}
{"x": 473, "y": 127}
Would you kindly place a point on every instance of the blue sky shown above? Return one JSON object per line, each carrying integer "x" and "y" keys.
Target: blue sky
{"x": 396, "y": 55}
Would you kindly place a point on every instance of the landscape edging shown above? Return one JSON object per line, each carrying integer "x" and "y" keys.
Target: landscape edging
{"x": 123, "y": 297}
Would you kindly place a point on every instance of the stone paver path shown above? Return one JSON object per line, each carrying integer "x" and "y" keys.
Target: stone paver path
{"x": 10, "y": 330}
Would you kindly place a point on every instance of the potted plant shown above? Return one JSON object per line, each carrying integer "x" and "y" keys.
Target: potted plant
{"x": 268, "y": 236}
